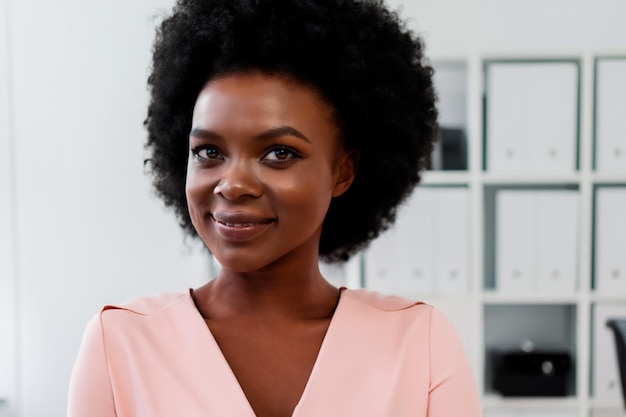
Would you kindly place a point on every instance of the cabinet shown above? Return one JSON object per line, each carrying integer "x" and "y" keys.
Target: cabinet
{"x": 541, "y": 219}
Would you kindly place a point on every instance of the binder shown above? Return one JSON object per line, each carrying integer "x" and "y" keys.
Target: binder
{"x": 452, "y": 241}
{"x": 514, "y": 241}
{"x": 557, "y": 242}
{"x": 610, "y": 240}
{"x": 532, "y": 116}
{"x": 401, "y": 260}
{"x": 536, "y": 241}
{"x": 426, "y": 250}
{"x": 610, "y": 114}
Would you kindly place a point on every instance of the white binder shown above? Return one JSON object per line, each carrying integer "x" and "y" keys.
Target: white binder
{"x": 400, "y": 261}
{"x": 611, "y": 115}
{"x": 426, "y": 251}
{"x": 610, "y": 240}
{"x": 556, "y": 242}
{"x": 532, "y": 117}
{"x": 452, "y": 240}
{"x": 514, "y": 241}
{"x": 536, "y": 241}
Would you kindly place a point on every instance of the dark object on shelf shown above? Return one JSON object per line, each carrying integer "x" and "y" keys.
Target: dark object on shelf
{"x": 450, "y": 153}
{"x": 531, "y": 374}
{"x": 619, "y": 330}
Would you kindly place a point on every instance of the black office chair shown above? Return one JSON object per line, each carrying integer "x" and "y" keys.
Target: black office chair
{"x": 619, "y": 330}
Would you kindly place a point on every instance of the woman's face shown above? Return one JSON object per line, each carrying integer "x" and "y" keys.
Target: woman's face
{"x": 265, "y": 161}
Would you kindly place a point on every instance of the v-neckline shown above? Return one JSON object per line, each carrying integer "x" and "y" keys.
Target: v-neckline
{"x": 223, "y": 362}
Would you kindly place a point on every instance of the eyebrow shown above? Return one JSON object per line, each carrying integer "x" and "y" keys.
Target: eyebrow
{"x": 272, "y": 133}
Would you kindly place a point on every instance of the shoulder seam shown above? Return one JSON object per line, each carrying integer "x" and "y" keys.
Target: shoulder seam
{"x": 369, "y": 298}
{"x": 145, "y": 310}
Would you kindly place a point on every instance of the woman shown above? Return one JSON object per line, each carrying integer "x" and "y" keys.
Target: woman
{"x": 280, "y": 131}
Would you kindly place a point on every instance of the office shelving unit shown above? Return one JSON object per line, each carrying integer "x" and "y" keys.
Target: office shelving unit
{"x": 563, "y": 319}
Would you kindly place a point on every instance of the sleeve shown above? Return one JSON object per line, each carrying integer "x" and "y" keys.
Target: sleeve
{"x": 452, "y": 387}
{"x": 90, "y": 391}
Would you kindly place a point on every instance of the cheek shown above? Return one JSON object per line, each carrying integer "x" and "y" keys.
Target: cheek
{"x": 196, "y": 193}
{"x": 304, "y": 197}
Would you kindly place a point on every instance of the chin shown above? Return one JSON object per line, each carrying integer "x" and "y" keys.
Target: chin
{"x": 239, "y": 264}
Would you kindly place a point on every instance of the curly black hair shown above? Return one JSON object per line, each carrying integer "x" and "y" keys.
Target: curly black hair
{"x": 356, "y": 53}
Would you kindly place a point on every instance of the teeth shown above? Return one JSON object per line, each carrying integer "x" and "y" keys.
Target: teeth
{"x": 239, "y": 224}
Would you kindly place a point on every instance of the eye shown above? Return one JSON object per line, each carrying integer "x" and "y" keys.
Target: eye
{"x": 280, "y": 154}
{"x": 206, "y": 153}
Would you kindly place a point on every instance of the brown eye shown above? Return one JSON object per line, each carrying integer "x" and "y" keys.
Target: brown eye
{"x": 280, "y": 154}
{"x": 206, "y": 152}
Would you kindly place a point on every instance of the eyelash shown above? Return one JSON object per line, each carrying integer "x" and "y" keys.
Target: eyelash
{"x": 196, "y": 152}
{"x": 215, "y": 151}
{"x": 292, "y": 152}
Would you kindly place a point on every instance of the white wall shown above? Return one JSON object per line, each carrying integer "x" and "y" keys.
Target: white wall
{"x": 87, "y": 230}
{"x": 7, "y": 255}
{"x": 454, "y": 27}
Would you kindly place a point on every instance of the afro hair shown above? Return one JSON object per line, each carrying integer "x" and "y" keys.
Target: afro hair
{"x": 357, "y": 54}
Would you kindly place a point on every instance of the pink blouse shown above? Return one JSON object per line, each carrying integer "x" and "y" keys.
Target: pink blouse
{"x": 381, "y": 357}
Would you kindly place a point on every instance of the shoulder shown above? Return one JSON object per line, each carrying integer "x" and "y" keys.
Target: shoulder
{"x": 148, "y": 305}
{"x": 392, "y": 308}
{"x": 383, "y": 302}
{"x": 147, "y": 319}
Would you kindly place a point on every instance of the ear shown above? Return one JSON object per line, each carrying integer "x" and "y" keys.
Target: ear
{"x": 345, "y": 171}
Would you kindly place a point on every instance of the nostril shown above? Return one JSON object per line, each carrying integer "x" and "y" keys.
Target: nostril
{"x": 232, "y": 190}
{"x": 237, "y": 178}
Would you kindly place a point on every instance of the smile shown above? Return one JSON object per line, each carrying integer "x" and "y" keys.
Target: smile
{"x": 239, "y": 227}
{"x": 243, "y": 224}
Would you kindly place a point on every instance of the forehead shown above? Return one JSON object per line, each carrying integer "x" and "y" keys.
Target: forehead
{"x": 262, "y": 99}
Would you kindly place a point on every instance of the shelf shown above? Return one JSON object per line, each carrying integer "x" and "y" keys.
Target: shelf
{"x": 557, "y": 403}
{"x": 609, "y": 178}
{"x": 607, "y": 297}
{"x": 524, "y": 178}
{"x": 493, "y": 297}
{"x": 445, "y": 178}
{"x": 551, "y": 319}
{"x": 606, "y": 404}
{"x": 437, "y": 299}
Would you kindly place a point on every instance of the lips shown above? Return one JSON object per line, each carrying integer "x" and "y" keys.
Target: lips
{"x": 240, "y": 226}
{"x": 239, "y": 219}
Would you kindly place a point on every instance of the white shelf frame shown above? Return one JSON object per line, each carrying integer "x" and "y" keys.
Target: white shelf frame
{"x": 585, "y": 179}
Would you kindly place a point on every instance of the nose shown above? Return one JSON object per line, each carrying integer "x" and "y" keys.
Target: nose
{"x": 238, "y": 180}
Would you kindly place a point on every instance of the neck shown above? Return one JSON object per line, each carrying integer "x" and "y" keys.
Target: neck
{"x": 289, "y": 292}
